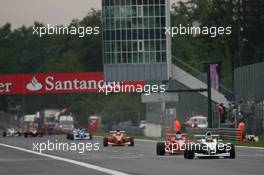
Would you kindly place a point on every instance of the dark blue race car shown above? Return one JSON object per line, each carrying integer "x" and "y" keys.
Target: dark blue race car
{"x": 79, "y": 134}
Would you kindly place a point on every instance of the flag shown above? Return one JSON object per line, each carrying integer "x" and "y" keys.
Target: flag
{"x": 215, "y": 83}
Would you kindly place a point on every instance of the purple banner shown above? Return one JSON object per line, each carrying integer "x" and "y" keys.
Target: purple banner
{"x": 214, "y": 76}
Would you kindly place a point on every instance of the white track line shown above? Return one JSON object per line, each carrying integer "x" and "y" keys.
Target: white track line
{"x": 86, "y": 165}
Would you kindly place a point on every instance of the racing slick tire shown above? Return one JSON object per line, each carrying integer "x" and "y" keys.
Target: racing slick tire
{"x": 232, "y": 152}
{"x": 71, "y": 137}
{"x": 105, "y": 142}
{"x": 91, "y": 137}
{"x": 132, "y": 143}
{"x": 160, "y": 149}
{"x": 19, "y": 134}
{"x": 4, "y": 134}
{"x": 188, "y": 154}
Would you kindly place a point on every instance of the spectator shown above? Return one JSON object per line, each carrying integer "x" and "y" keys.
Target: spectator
{"x": 223, "y": 113}
{"x": 241, "y": 130}
{"x": 177, "y": 126}
{"x": 230, "y": 113}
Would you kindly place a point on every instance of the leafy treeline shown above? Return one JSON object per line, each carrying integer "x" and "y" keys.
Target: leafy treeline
{"x": 23, "y": 52}
{"x": 244, "y": 46}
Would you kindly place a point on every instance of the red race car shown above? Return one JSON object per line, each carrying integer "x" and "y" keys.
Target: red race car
{"x": 175, "y": 144}
{"x": 33, "y": 133}
{"x": 118, "y": 138}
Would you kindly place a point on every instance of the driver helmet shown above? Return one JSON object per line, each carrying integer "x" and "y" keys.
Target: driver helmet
{"x": 118, "y": 132}
{"x": 208, "y": 136}
{"x": 178, "y": 135}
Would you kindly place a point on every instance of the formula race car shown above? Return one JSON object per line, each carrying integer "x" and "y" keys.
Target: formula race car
{"x": 118, "y": 138}
{"x": 79, "y": 134}
{"x": 175, "y": 144}
{"x": 12, "y": 132}
{"x": 209, "y": 146}
{"x": 33, "y": 133}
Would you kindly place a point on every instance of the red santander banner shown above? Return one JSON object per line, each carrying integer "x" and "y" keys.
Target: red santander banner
{"x": 82, "y": 82}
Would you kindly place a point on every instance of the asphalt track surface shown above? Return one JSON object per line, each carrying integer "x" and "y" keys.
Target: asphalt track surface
{"x": 138, "y": 160}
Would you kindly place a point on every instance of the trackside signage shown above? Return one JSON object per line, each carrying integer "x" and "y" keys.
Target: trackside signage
{"x": 83, "y": 82}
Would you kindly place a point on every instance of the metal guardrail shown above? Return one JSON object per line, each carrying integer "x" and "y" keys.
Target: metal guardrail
{"x": 7, "y": 120}
{"x": 230, "y": 134}
{"x": 4, "y": 125}
{"x": 134, "y": 130}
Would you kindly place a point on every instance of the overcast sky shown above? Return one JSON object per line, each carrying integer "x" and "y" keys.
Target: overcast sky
{"x": 25, "y": 12}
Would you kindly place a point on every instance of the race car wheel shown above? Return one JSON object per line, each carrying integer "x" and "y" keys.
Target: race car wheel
{"x": 188, "y": 154}
{"x": 91, "y": 137}
{"x": 185, "y": 154}
{"x": 105, "y": 142}
{"x": 26, "y": 135}
{"x": 232, "y": 152}
{"x": 19, "y": 134}
{"x": 132, "y": 143}
{"x": 4, "y": 134}
{"x": 71, "y": 137}
{"x": 160, "y": 149}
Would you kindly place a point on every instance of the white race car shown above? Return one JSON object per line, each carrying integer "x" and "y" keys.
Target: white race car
{"x": 11, "y": 132}
{"x": 209, "y": 146}
{"x": 79, "y": 134}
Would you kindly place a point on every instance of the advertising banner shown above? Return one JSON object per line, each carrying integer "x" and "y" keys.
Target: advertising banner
{"x": 46, "y": 83}
{"x": 215, "y": 76}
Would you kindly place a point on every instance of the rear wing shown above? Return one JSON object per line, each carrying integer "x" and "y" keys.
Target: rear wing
{"x": 216, "y": 135}
{"x": 199, "y": 137}
{"x": 169, "y": 135}
{"x": 113, "y": 132}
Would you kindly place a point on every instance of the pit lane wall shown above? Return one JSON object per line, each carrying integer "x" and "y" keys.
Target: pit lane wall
{"x": 230, "y": 134}
{"x": 153, "y": 130}
{"x": 150, "y": 130}
{"x": 133, "y": 130}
